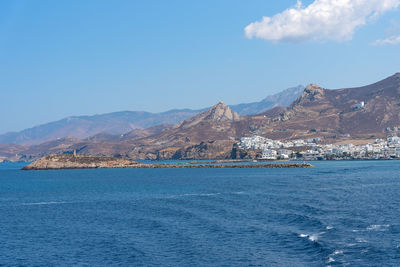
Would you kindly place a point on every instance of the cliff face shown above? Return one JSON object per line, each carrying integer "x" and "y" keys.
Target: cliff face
{"x": 220, "y": 149}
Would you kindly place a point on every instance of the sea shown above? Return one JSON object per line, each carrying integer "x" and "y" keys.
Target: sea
{"x": 339, "y": 213}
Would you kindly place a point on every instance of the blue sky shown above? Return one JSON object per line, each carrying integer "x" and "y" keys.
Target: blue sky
{"x": 63, "y": 58}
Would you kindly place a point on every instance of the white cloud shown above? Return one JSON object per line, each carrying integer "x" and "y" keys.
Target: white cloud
{"x": 393, "y": 40}
{"x": 393, "y": 34}
{"x": 323, "y": 19}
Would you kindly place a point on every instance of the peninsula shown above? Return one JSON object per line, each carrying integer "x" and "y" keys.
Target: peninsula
{"x": 69, "y": 161}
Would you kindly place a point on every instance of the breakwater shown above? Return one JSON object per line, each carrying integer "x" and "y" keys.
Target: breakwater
{"x": 220, "y": 166}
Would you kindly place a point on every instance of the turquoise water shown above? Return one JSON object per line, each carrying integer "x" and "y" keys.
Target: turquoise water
{"x": 338, "y": 213}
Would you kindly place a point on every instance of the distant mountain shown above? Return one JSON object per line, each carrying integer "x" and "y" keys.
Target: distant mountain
{"x": 282, "y": 99}
{"x": 82, "y": 127}
{"x": 366, "y": 112}
{"x": 118, "y": 123}
{"x": 130, "y": 136}
{"x": 217, "y": 125}
{"x": 209, "y": 134}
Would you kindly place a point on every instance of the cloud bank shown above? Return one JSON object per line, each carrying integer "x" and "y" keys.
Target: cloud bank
{"x": 393, "y": 40}
{"x": 323, "y": 19}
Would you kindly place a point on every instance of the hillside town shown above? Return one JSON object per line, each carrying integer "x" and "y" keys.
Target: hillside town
{"x": 314, "y": 149}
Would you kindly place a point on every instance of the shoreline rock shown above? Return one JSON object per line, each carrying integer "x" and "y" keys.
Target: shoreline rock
{"x": 68, "y": 161}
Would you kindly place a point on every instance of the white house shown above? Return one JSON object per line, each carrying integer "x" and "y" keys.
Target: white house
{"x": 360, "y": 105}
{"x": 269, "y": 154}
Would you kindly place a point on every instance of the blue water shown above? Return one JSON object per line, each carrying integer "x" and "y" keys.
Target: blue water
{"x": 338, "y": 213}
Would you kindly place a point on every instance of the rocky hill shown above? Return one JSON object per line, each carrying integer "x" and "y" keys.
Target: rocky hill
{"x": 118, "y": 123}
{"x": 216, "y": 126}
{"x": 371, "y": 110}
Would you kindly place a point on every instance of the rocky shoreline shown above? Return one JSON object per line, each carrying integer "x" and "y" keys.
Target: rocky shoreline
{"x": 69, "y": 161}
{"x": 62, "y": 162}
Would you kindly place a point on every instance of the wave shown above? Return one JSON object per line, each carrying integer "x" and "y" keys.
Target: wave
{"x": 44, "y": 203}
{"x": 337, "y": 252}
{"x": 195, "y": 195}
{"x": 200, "y": 195}
{"x": 378, "y": 227}
{"x": 206, "y": 194}
{"x": 312, "y": 237}
{"x": 333, "y": 254}
{"x": 361, "y": 240}
{"x": 374, "y": 227}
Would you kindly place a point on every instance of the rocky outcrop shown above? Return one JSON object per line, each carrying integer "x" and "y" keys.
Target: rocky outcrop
{"x": 68, "y": 161}
{"x": 312, "y": 93}
{"x": 240, "y": 153}
{"x": 218, "y": 113}
{"x": 219, "y": 149}
{"x": 221, "y": 112}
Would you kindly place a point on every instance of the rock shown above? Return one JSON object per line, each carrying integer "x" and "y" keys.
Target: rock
{"x": 68, "y": 161}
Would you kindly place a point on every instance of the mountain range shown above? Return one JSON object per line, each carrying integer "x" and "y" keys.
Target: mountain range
{"x": 351, "y": 114}
{"x": 117, "y": 123}
{"x": 366, "y": 112}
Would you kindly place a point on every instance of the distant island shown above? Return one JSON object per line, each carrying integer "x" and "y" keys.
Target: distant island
{"x": 73, "y": 161}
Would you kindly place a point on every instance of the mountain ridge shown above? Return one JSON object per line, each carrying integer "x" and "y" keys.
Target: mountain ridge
{"x": 318, "y": 112}
{"x": 366, "y": 112}
{"x": 122, "y": 122}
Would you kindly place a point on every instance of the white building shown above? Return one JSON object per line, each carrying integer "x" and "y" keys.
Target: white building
{"x": 269, "y": 154}
{"x": 360, "y": 105}
{"x": 284, "y": 153}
